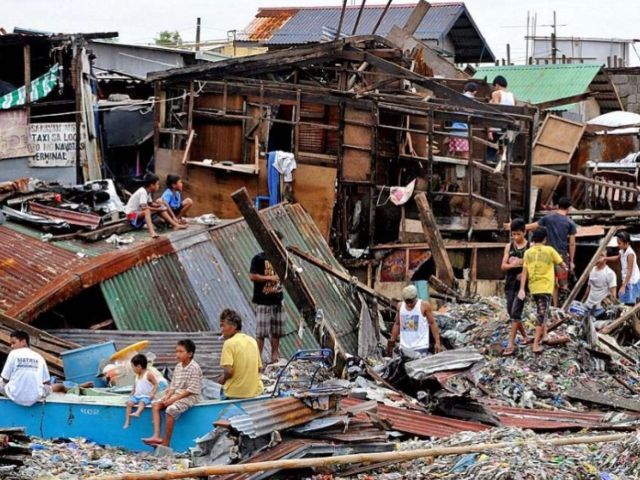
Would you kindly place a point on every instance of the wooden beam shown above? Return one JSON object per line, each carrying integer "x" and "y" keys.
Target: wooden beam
{"x": 343, "y": 276}
{"x": 187, "y": 150}
{"x": 587, "y": 271}
{"x": 622, "y": 319}
{"x": 344, "y": 9}
{"x": 26, "y": 49}
{"x": 564, "y": 101}
{"x": 582, "y": 178}
{"x": 382, "y": 15}
{"x": 415, "y": 19}
{"x": 438, "y": 249}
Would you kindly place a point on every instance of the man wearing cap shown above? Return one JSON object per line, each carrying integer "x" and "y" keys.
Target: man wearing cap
{"x": 414, "y": 320}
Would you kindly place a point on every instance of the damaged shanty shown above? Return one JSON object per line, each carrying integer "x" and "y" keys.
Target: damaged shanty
{"x": 356, "y": 118}
{"x": 47, "y": 117}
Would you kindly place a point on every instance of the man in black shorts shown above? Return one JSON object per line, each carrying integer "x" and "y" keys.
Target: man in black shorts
{"x": 267, "y": 298}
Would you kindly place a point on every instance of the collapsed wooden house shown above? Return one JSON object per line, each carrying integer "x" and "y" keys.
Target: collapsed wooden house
{"x": 360, "y": 115}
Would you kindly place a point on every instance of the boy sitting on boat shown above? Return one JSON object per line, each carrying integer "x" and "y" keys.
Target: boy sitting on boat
{"x": 182, "y": 394}
{"x": 144, "y": 388}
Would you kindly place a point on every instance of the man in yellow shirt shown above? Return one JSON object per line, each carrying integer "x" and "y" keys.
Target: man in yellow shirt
{"x": 539, "y": 269}
{"x": 240, "y": 359}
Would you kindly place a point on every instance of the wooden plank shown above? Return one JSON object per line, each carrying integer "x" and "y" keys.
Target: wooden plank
{"x": 587, "y": 271}
{"x": 622, "y": 319}
{"x": 187, "y": 149}
{"x": 556, "y": 141}
{"x": 438, "y": 250}
{"x": 610, "y": 400}
{"x": 582, "y": 178}
{"x": 314, "y": 187}
{"x": 415, "y": 19}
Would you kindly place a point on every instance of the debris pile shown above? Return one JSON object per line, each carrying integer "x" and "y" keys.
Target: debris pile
{"x": 524, "y": 459}
{"x": 74, "y": 458}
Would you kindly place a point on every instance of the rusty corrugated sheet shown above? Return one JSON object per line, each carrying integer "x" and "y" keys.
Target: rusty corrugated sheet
{"x": 264, "y": 417}
{"x": 72, "y": 218}
{"x": 536, "y": 419}
{"x": 28, "y": 265}
{"x": 154, "y": 296}
{"x": 266, "y": 22}
{"x": 418, "y": 423}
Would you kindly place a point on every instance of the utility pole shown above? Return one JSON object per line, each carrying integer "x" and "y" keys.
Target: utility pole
{"x": 554, "y": 49}
{"x": 508, "y": 54}
{"x": 526, "y": 55}
{"x": 198, "y": 34}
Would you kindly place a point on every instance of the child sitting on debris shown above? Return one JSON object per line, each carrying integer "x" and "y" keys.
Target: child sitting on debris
{"x": 512, "y": 266}
{"x": 141, "y": 208}
{"x": 539, "y": 270}
{"x": 182, "y": 394}
{"x": 144, "y": 388}
{"x": 172, "y": 197}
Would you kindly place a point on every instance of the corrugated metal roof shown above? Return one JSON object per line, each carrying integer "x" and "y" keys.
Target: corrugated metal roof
{"x": 307, "y": 24}
{"x": 266, "y": 416}
{"x": 28, "y": 265}
{"x": 154, "y": 296}
{"x": 162, "y": 344}
{"x": 537, "y": 419}
{"x": 418, "y": 423}
{"x": 543, "y": 83}
{"x": 213, "y": 282}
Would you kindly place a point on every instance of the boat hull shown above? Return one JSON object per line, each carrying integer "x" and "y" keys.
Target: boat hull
{"x": 100, "y": 419}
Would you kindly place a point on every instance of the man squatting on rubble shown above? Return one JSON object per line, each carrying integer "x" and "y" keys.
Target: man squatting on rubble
{"x": 413, "y": 322}
{"x": 539, "y": 268}
{"x": 512, "y": 262}
{"x": 240, "y": 359}
{"x": 267, "y": 299}
{"x": 182, "y": 394}
{"x": 561, "y": 235}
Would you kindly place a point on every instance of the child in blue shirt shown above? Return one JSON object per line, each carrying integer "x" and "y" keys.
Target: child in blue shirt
{"x": 172, "y": 197}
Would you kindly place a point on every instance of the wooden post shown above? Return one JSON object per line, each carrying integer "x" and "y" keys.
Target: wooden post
{"x": 436, "y": 243}
{"x": 27, "y": 79}
{"x": 284, "y": 268}
{"x": 382, "y": 15}
{"x": 156, "y": 117}
{"x": 79, "y": 109}
{"x": 624, "y": 318}
{"x": 344, "y": 9}
{"x": 585, "y": 275}
{"x": 416, "y": 17}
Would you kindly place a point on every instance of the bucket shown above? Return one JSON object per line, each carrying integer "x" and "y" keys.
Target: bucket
{"x": 83, "y": 364}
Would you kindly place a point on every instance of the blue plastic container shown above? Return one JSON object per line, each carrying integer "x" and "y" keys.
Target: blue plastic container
{"x": 83, "y": 364}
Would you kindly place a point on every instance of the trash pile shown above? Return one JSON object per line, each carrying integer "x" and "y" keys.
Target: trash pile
{"x": 522, "y": 460}
{"x": 65, "y": 458}
{"x": 53, "y": 208}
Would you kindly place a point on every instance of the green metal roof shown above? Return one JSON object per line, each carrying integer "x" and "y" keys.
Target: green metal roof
{"x": 543, "y": 83}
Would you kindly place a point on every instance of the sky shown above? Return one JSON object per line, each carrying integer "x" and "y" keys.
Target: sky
{"x": 139, "y": 21}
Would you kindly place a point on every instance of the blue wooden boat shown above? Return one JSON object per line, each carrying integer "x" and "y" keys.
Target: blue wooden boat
{"x": 100, "y": 419}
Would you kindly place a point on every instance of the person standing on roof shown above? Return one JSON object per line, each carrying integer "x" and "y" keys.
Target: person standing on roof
{"x": 25, "y": 377}
{"x": 561, "y": 235}
{"x": 500, "y": 94}
{"x": 414, "y": 320}
{"x": 267, "y": 298}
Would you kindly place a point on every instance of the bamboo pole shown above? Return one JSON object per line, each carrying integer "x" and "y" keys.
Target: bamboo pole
{"x": 355, "y": 458}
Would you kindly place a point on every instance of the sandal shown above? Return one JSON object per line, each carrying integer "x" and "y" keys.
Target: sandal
{"x": 508, "y": 353}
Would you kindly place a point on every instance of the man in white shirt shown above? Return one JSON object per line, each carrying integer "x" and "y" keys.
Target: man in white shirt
{"x": 25, "y": 376}
{"x": 602, "y": 282}
{"x": 414, "y": 320}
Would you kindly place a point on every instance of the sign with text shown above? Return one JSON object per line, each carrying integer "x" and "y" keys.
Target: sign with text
{"x": 15, "y": 139}
{"x": 54, "y": 144}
